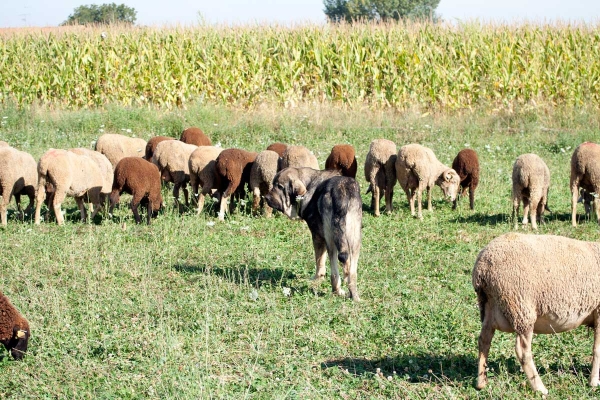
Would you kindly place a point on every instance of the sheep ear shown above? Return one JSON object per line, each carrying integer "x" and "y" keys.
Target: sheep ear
{"x": 298, "y": 187}
{"x": 21, "y": 334}
{"x": 448, "y": 176}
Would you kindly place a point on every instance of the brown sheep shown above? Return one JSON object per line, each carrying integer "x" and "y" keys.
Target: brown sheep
{"x": 152, "y": 143}
{"x": 233, "y": 168}
{"x": 417, "y": 169}
{"x": 585, "y": 174}
{"x": 68, "y": 174}
{"x": 195, "y": 136}
{"x": 278, "y": 148}
{"x": 542, "y": 284}
{"x": 115, "y": 147}
{"x": 343, "y": 159}
{"x": 141, "y": 179}
{"x": 530, "y": 184}
{"x": 14, "y": 329}
{"x": 18, "y": 176}
{"x": 466, "y": 165}
{"x": 380, "y": 172}
{"x": 261, "y": 178}
{"x": 202, "y": 172}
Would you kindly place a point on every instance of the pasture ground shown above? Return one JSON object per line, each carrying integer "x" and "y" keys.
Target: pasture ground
{"x": 193, "y": 308}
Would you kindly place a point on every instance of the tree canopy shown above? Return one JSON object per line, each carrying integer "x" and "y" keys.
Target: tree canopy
{"x": 102, "y": 14}
{"x": 379, "y": 10}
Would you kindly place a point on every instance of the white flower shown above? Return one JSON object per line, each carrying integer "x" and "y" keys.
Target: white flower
{"x": 562, "y": 150}
{"x": 245, "y": 228}
{"x": 128, "y": 130}
{"x": 287, "y": 291}
{"x": 467, "y": 144}
{"x": 100, "y": 130}
{"x": 253, "y": 295}
{"x": 102, "y": 126}
{"x": 210, "y": 223}
{"x": 215, "y": 124}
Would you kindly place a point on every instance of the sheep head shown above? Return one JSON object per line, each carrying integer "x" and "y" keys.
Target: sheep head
{"x": 17, "y": 344}
{"x": 449, "y": 182}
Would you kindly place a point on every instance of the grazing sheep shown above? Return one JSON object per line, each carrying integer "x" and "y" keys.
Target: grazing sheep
{"x": 104, "y": 165}
{"x": 115, "y": 147}
{"x": 343, "y": 159}
{"x": 232, "y": 168}
{"x": 380, "y": 172}
{"x": 69, "y": 174}
{"x": 298, "y": 156}
{"x": 263, "y": 171}
{"x": 536, "y": 284}
{"x": 202, "y": 172}
{"x": 531, "y": 181}
{"x": 466, "y": 165}
{"x": 141, "y": 179}
{"x": 18, "y": 176}
{"x": 14, "y": 329}
{"x": 585, "y": 174}
{"x": 195, "y": 136}
{"x": 151, "y": 145}
{"x": 418, "y": 169}
{"x": 172, "y": 159}
{"x": 3, "y": 143}
{"x": 278, "y": 148}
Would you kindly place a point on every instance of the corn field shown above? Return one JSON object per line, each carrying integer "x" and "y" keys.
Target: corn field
{"x": 428, "y": 66}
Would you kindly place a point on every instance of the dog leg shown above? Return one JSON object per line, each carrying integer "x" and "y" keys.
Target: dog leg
{"x": 336, "y": 281}
{"x": 320, "y": 257}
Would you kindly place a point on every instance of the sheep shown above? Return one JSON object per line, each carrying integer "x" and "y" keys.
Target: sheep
{"x": 530, "y": 184}
{"x": 587, "y": 199}
{"x": 343, "y": 159}
{"x": 536, "y": 284}
{"x": 141, "y": 179}
{"x": 14, "y": 329}
{"x": 115, "y": 147}
{"x": 172, "y": 159}
{"x": 152, "y": 143}
{"x": 202, "y": 172}
{"x": 18, "y": 176}
{"x": 418, "y": 169}
{"x": 69, "y": 174}
{"x": 585, "y": 174}
{"x": 263, "y": 171}
{"x": 298, "y": 156}
{"x": 4, "y": 144}
{"x": 466, "y": 165}
{"x": 105, "y": 168}
{"x": 380, "y": 172}
{"x": 195, "y": 136}
{"x": 232, "y": 168}
{"x": 278, "y": 148}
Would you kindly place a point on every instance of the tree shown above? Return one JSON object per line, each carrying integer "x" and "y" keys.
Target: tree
{"x": 379, "y": 10}
{"x": 102, "y": 14}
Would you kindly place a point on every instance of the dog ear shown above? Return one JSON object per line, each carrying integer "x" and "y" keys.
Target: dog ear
{"x": 298, "y": 187}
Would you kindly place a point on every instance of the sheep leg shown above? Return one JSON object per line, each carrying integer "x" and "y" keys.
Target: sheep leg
{"x": 18, "y": 202}
{"x": 420, "y": 202}
{"x": 3, "y": 209}
{"x": 223, "y": 207}
{"x": 525, "y": 209}
{"x": 389, "y": 194}
{"x": 515, "y": 211}
{"x": 375, "y": 199}
{"x": 523, "y": 350}
{"x": 594, "y": 378}
{"x": 597, "y": 209}
{"x": 320, "y": 257}
{"x": 472, "y": 197}
{"x": 81, "y": 205}
{"x": 533, "y": 206}
{"x": 134, "y": 208}
{"x": 255, "y": 200}
{"x": 40, "y": 197}
{"x": 186, "y": 194}
{"x": 202, "y": 197}
{"x": 574, "y": 197}
{"x": 57, "y": 198}
{"x": 176, "y": 194}
{"x": 148, "y": 211}
{"x": 429, "y": 206}
{"x": 485, "y": 341}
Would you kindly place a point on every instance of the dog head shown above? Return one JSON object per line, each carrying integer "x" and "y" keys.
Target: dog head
{"x": 286, "y": 194}
{"x": 449, "y": 182}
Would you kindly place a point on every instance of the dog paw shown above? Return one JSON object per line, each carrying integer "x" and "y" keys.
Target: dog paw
{"x": 340, "y": 292}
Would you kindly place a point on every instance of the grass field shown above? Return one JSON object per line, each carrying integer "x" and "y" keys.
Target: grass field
{"x": 193, "y": 308}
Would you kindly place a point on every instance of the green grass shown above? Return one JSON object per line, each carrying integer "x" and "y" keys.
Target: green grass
{"x": 190, "y": 309}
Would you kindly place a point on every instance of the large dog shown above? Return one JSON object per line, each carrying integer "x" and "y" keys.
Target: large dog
{"x": 331, "y": 206}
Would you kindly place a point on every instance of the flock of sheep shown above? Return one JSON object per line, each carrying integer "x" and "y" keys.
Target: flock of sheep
{"x": 519, "y": 279}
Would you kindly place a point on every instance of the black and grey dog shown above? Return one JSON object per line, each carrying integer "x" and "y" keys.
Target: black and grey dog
{"x": 332, "y": 207}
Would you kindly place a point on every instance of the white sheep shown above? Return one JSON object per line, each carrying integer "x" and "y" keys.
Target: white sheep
{"x": 263, "y": 171}
{"x": 418, "y": 169}
{"x": 585, "y": 174}
{"x": 530, "y": 184}
{"x": 299, "y": 156}
{"x": 115, "y": 147}
{"x": 68, "y": 174}
{"x": 380, "y": 172}
{"x": 172, "y": 159}
{"x": 202, "y": 172}
{"x": 18, "y": 176}
{"x": 536, "y": 284}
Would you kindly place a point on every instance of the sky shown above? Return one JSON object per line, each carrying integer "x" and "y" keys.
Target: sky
{"x": 172, "y": 12}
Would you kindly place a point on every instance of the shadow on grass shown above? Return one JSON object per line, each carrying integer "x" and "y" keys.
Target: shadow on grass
{"x": 484, "y": 219}
{"x": 240, "y": 275}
